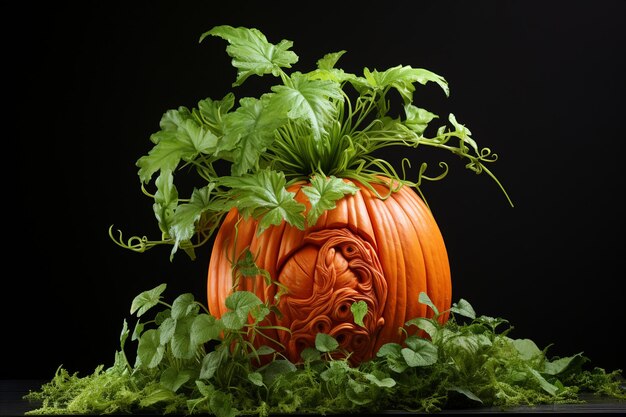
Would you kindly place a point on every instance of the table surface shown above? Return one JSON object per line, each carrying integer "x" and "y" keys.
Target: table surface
{"x": 13, "y": 404}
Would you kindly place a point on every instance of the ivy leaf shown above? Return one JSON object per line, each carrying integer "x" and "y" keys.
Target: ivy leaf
{"x": 166, "y": 330}
{"x": 337, "y": 371}
{"x": 183, "y": 224}
{"x": 560, "y": 365}
{"x": 543, "y": 383}
{"x": 417, "y": 119}
{"x": 325, "y": 342}
{"x": 275, "y": 369}
{"x": 184, "y": 305}
{"x": 463, "y": 132}
{"x": 359, "y": 310}
{"x": 323, "y": 194}
{"x": 256, "y": 378}
{"x": 463, "y": 308}
{"x": 150, "y": 350}
{"x": 420, "y": 352}
{"x": 358, "y": 393}
{"x": 146, "y": 300}
{"x": 205, "y": 328}
{"x": 173, "y": 378}
{"x": 137, "y": 331}
{"x": 124, "y": 334}
{"x": 165, "y": 200}
{"x": 264, "y": 197}
{"x": 381, "y": 383}
{"x": 241, "y": 303}
{"x": 251, "y": 52}
{"x": 392, "y": 352}
{"x": 211, "y": 363}
{"x": 181, "y": 343}
{"x": 424, "y": 324}
{"x": 212, "y": 112}
{"x": 180, "y": 137}
{"x": 312, "y": 101}
{"x": 423, "y": 298}
{"x": 402, "y": 78}
{"x": 527, "y": 349}
{"x": 249, "y": 131}
{"x": 310, "y": 354}
{"x": 469, "y": 394}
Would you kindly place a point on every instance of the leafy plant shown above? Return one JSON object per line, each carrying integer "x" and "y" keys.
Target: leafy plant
{"x": 189, "y": 362}
{"x": 319, "y": 126}
{"x": 305, "y": 151}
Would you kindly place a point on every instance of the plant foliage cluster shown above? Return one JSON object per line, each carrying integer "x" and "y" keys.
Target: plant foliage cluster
{"x": 320, "y": 127}
{"x": 187, "y": 361}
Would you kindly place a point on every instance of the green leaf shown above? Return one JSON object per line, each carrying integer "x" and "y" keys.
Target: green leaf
{"x": 358, "y": 393}
{"x": 423, "y": 298}
{"x": 463, "y": 308}
{"x": 392, "y": 353}
{"x": 264, "y": 197}
{"x": 543, "y": 383}
{"x": 359, "y": 310}
{"x": 233, "y": 321}
{"x": 468, "y": 344}
{"x": 183, "y": 306}
{"x": 389, "y": 349}
{"x": 166, "y": 330}
{"x": 186, "y": 215}
{"x": 256, "y": 378}
{"x": 527, "y": 348}
{"x": 182, "y": 138}
{"x": 211, "y": 363}
{"x": 173, "y": 378}
{"x": 310, "y": 354}
{"x": 337, "y": 372}
{"x": 249, "y": 131}
{"x": 468, "y": 393}
{"x": 323, "y": 193}
{"x": 417, "y": 119}
{"x": 275, "y": 369}
{"x": 212, "y": 112}
{"x": 311, "y": 100}
{"x": 182, "y": 346}
{"x": 146, "y": 300}
{"x": 427, "y": 325}
{"x": 560, "y": 365}
{"x": 150, "y": 350}
{"x": 326, "y": 69}
{"x": 241, "y": 302}
{"x": 165, "y": 200}
{"x": 137, "y": 331}
{"x": 402, "y": 78}
{"x": 205, "y": 328}
{"x": 463, "y": 132}
{"x": 420, "y": 352}
{"x": 381, "y": 383}
{"x": 251, "y": 52}
{"x": 124, "y": 334}
{"x": 325, "y": 342}
{"x": 246, "y": 265}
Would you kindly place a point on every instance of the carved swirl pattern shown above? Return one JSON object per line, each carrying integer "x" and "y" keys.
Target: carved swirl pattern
{"x": 333, "y": 269}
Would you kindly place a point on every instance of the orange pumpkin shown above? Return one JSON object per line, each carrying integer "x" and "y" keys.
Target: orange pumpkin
{"x": 381, "y": 251}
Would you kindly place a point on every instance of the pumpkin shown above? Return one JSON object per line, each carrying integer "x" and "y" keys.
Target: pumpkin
{"x": 373, "y": 242}
{"x": 380, "y": 251}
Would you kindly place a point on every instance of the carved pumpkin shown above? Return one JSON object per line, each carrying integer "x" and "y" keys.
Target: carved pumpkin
{"x": 381, "y": 251}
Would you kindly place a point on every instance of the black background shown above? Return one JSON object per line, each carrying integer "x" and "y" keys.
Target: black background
{"x": 541, "y": 83}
